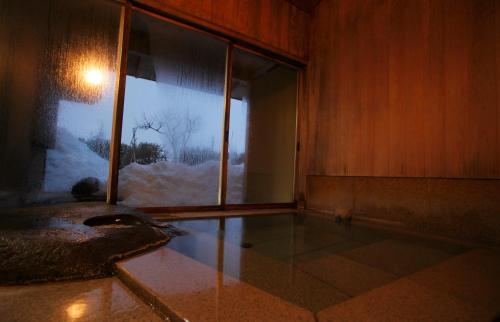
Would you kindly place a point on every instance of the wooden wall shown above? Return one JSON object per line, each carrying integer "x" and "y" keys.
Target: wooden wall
{"x": 275, "y": 25}
{"x": 404, "y": 88}
{"x": 403, "y": 119}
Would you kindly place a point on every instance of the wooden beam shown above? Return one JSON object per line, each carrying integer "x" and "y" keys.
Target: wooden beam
{"x": 155, "y": 210}
{"x": 254, "y": 24}
{"x": 114, "y": 154}
{"x": 225, "y": 137}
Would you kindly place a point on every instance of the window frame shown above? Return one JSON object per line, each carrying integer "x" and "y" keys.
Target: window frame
{"x": 124, "y": 36}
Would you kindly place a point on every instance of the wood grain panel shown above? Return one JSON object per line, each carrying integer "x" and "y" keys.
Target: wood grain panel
{"x": 306, "y": 5}
{"x": 497, "y": 41}
{"x": 275, "y": 25}
{"x": 404, "y": 88}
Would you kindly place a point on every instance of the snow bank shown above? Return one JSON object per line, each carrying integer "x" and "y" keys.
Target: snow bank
{"x": 70, "y": 161}
{"x": 157, "y": 184}
{"x": 166, "y": 183}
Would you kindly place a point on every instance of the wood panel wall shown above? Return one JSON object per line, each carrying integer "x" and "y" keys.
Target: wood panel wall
{"x": 275, "y": 25}
{"x": 404, "y": 88}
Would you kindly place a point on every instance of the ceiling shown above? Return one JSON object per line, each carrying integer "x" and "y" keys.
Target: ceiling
{"x": 306, "y": 5}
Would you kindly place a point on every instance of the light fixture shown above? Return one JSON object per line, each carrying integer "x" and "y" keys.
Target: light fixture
{"x": 93, "y": 76}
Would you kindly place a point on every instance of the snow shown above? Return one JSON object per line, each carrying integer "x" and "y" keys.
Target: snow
{"x": 166, "y": 183}
{"x": 158, "y": 184}
{"x": 70, "y": 161}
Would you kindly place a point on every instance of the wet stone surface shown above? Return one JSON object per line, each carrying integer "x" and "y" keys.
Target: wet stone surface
{"x": 72, "y": 241}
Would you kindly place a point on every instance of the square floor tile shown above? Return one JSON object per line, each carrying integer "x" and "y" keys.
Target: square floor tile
{"x": 404, "y": 301}
{"x": 276, "y": 277}
{"x": 398, "y": 257}
{"x": 346, "y": 275}
{"x": 325, "y": 251}
{"x": 473, "y": 276}
{"x": 193, "y": 291}
{"x": 292, "y": 246}
{"x": 344, "y": 246}
{"x": 363, "y": 234}
{"x": 453, "y": 248}
{"x": 281, "y": 279}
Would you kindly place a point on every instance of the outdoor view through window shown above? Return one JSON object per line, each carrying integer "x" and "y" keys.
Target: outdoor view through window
{"x": 57, "y": 88}
{"x": 173, "y": 116}
{"x": 57, "y": 77}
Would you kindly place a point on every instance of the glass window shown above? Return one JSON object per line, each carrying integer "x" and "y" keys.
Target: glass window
{"x": 262, "y": 140}
{"x": 173, "y": 116}
{"x": 57, "y": 77}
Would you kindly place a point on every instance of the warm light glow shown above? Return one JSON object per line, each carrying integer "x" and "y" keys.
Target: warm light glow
{"x": 76, "y": 310}
{"x": 94, "y": 77}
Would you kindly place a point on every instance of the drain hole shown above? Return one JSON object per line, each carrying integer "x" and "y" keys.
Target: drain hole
{"x": 115, "y": 221}
{"x": 246, "y": 245}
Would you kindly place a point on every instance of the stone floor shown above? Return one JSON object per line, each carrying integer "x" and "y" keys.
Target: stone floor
{"x": 281, "y": 267}
{"x": 104, "y": 300}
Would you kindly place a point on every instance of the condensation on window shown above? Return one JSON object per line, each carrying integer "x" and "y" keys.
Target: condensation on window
{"x": 57, "y": 79}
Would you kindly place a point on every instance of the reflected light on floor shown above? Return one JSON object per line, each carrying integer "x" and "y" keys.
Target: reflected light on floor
{"x": 76, "y": 310}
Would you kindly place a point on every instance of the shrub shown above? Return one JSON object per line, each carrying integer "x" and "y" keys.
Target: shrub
{"x": 194, "y": 156}
{"x": 144, "y": 153}
{"x": 98, "y": 145}
{"x": 147, "y": 153}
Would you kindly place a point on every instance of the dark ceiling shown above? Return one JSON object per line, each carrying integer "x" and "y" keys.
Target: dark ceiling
{"x": 306, "y": 5}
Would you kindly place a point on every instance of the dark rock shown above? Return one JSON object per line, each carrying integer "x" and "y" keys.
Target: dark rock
{"x": 86, "y": 188}
{"x": 53, "y": 243}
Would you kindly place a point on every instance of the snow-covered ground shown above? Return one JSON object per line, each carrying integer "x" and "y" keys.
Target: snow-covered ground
{"x": 166, "y": 183}
{"x": 158, "y": 184}
{"x": 71, "y": 161}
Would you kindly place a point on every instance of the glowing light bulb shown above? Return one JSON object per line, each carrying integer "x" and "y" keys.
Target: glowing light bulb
{"x": 94, "y": 77}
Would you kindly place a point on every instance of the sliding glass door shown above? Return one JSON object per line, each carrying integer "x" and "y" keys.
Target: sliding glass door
{"x": 173, "y": 117}
{"x": 172, "y": 143}
{"x": 262, "y": 139}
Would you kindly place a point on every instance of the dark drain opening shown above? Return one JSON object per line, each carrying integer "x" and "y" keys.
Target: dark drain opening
{"x": 246, "y": 245}
{"x": 114, "y": 221}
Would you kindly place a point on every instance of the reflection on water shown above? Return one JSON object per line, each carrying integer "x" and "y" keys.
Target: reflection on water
{"x": 285, "y": 250}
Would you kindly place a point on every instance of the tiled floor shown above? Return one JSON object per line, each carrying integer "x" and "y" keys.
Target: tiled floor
{"x": 103, "y": 300}
{"x": 317, "y": 264}
{"x": 398, "y": 257}
{"x": 404, "y": 300}
{"x": 350, "y": 277}
{"x": 473, "y": 277}
{"x": 283, "y": 268}
{"x": 196, "y": 292}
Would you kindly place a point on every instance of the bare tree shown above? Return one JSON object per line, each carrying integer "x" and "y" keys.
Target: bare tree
{"x": 145, "y": 124}
{"x": 176, "y": 129}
